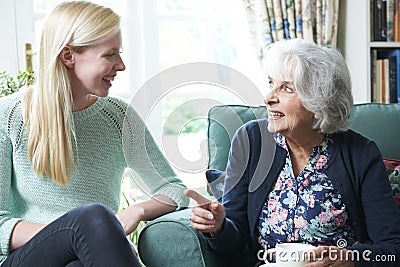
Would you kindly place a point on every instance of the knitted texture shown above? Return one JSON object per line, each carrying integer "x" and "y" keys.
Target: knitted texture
{"x": 100, "y": 155}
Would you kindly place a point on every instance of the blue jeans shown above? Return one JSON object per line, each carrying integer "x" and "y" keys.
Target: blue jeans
{"x": 89, "y": 235}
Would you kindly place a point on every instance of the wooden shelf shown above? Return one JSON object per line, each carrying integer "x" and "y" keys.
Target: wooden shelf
{"x": 385, "y": 44}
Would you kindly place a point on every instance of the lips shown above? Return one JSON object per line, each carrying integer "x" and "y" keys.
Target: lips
{"x": 273, "y": 114}
{"x": 108, "y": 79}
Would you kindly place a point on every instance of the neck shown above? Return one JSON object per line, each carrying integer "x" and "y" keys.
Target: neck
{"x": 304, "y": 142}
{"x": 300, "y": 148}
{"x": 82, "y": 102}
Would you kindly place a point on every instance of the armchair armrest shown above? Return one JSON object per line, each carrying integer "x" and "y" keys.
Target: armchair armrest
{"x": 170, "y": 241}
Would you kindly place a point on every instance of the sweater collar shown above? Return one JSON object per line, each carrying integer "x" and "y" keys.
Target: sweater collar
{"x": 89, "y": 111}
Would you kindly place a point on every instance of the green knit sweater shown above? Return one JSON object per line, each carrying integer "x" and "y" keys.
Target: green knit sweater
{"x": 109, "y": 137}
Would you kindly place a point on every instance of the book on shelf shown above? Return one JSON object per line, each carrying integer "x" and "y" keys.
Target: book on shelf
{"x": 380, "y": 74}
{"x": 377, "y": 20}
{"x": 390, "y": 20}
{"x": 374, "y": 75}
{"x": 396, "y": 21}
{"x": 385, "y": 75}
{"x": 385, "y": 81}
{"x": 378, "y": 80}
{"x": 395, "y": 93}
{"x": 385, "y": 20}
{"x": 393, "y": 84}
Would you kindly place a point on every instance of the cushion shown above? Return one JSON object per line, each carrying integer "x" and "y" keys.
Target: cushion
{"x": 215, "y": 180}
{"x": 223, "y": 121}
{"x": 179, "y": 246}
{"x": 379, "y": 122}
{"x": 393, "y": 171}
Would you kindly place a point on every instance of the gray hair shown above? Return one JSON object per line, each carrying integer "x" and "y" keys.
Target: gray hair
{"x": 321, "y": 78}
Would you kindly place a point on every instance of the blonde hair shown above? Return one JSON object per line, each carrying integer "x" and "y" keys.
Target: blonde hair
{"x": 47, "y": 109}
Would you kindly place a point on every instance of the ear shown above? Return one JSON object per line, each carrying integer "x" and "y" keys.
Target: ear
{"x": 67, "y": 57}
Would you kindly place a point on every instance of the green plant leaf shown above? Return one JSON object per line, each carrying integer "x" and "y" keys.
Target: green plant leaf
{"x": 10, "y": 84}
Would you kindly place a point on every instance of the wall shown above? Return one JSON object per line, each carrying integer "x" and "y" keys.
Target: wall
{"x": 9, "y": 58}
{"x": 13, "y": 15}
{"x": 352, "y": 41}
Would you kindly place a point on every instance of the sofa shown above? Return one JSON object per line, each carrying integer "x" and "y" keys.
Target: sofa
{"x": 171, "y": 241}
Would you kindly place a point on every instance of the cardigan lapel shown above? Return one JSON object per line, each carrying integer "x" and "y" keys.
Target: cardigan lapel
{"x": 257, "y": 199}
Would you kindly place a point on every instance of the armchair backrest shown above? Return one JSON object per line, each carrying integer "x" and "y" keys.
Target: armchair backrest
{"x": 380, "y": 122}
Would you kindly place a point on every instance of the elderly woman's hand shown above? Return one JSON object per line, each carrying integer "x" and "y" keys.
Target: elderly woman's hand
{"x": 330, "y": 256}
{"x": 208, "y": 216}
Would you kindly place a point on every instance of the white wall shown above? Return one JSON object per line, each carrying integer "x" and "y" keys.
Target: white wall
{"x": 352, "y": 41}
{"x": 9, "y": 57}
{"x": 16, "y": 18}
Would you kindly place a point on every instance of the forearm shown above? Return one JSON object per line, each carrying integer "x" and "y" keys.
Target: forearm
{"x": 155, "y": 207}
{"x": 144, "y": 211}
{"x": 23, "y": 232}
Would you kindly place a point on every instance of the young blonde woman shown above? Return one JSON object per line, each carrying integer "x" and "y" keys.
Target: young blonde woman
{"x": 62, "y": 152}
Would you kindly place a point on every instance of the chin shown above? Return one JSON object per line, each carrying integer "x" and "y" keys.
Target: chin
{"x": 272, "y": 129}
{"x": 102, "y": 93}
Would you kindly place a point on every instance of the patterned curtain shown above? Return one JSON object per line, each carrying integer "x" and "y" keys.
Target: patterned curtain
{"x": 274, "y": 20}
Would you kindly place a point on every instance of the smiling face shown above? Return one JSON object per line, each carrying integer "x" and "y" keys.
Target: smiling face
{"x": 286, "y": 113}
{"x": 94, "y": 68}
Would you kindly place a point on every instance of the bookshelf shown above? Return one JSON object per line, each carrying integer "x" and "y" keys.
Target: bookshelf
{"x": 384, "y": 49}
{"x": 355, "y": 41}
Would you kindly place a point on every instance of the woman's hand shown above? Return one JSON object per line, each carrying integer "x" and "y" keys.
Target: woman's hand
{"x": 330, "y": 256}
{"x": 208, "y": 216}
{"x": 130, "y": 218}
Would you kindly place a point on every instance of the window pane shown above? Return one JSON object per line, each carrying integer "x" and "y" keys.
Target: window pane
{"x": 200, "y": 31}
{"x": 182, "y": 42}
{"x": 191, "y": 6}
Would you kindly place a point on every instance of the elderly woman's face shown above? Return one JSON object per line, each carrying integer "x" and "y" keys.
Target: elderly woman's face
{"x": 286, "y": 113}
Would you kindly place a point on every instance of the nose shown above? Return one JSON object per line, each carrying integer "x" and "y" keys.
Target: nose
{"x": 271, "y": 97}
{"x": 120, "y": 65}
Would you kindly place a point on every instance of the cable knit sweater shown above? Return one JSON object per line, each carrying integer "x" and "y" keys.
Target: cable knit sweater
{"x": 101, "y": 156}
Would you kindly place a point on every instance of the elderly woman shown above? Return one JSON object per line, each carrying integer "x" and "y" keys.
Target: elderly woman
{"x": 326, "y": 185}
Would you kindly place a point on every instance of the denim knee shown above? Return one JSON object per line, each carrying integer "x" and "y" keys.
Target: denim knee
{"x": 93, "y": 210}
{"x": 95, "y": 217}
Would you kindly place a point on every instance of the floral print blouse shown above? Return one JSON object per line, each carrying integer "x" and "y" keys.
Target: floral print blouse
{"x": 305, "y": 209}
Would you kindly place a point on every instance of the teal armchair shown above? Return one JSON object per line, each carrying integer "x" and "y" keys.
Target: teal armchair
{"x": 170, "y": 241}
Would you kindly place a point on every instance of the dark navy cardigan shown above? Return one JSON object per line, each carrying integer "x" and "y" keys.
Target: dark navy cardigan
{"x": 356, "y": 170}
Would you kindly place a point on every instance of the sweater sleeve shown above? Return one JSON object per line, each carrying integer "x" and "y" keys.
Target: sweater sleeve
{"x": 7, "y": 222}
{"x": 147, "y": 163}
{"x": 382, "y": 217}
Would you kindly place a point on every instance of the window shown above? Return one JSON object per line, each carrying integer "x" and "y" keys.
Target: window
{"x": 200, "y": 31}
